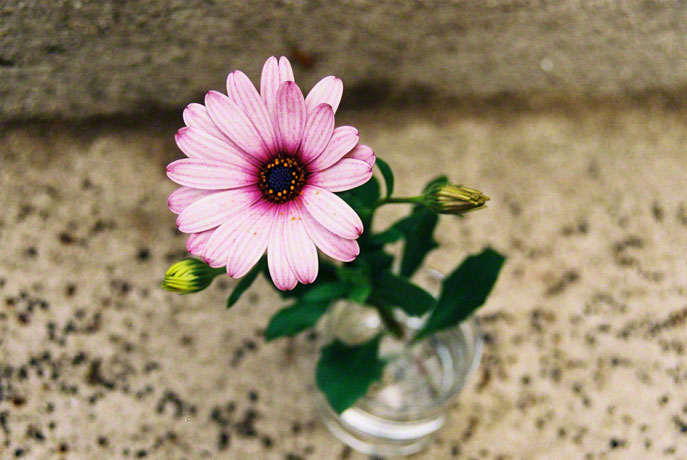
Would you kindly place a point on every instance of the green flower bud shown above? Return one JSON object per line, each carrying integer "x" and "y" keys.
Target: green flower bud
{"x": 446, "y": 198}
{"x": 189, "y": 275}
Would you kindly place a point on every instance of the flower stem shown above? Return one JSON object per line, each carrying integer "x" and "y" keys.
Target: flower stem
{"x": 397, "y": 330}
{"x": 425, "y": 373}
{"x": 399, "y": 199}
{"x": 391, "y": 324}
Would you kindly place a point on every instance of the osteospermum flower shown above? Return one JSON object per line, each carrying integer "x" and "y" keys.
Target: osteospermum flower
{"x": 261, "y": 174}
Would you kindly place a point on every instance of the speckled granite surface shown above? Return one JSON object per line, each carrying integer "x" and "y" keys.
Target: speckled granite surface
{"x": 585, "y": 331}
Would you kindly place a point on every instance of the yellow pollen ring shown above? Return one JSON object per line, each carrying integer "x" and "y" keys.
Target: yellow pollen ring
{"x": 282, "y": 179}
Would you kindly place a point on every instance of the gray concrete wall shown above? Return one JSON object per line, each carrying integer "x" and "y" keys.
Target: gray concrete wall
{"x": 80, "y": 58}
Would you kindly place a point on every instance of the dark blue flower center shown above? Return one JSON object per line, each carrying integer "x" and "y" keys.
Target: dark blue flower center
{"x": 282, "y": 179}
{"x": 279, "y": 177}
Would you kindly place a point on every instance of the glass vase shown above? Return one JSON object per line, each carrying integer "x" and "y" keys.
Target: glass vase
{"x": 400, "y": 414}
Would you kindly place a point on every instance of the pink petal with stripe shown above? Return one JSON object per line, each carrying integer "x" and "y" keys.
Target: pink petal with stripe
{"x": 328, "y": 91}
{"x": 300, "y": 250}
{"x": 250, "y": 243}
{"x": 344, "y": 175}
{"x": 196, "y": 116}
{"x": 231, "y": 120}
{"x": 332, "y": 245}
{"x": 182, "y": 197}
{"x": 196, "y": 143}
{"x": 332, "y": 212}
{"x": 280, "y": 271}
{"x": 269, "y": 84}
{"x": 285, "y": 70}
{"x": 212, "y": 211}
{"x": 208, "y": 174}
{"x": 270, "y": 80}
{"x": 242, "y": 91}
{"x": 197, "y": 241}
{"x": 230, "y": 80}
{"x": 290, "y": 115}
{"x": 362, "y": 152}
{"x": 217, "y": 249}
{"x": 317, "y": 133}
{"x": 343, "y": 140}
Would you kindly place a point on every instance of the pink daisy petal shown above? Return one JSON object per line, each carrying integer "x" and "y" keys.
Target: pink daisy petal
{"x": 344, "y": 175}
{"x": 328, "y": 91}
{"x": 332, "y": 212}
{"x": 285, "y": 70}
{"x": 270, "y": 80}
{"x": 242, "y": 91}
{"x": 208, "y": 174}
{"x": 250, "y": 243}
{"x": 317, "y": 133}
{"x": 196, "y": 143}
{"x": 332, "y": 245}
{"x": 217, "y": 248}
{"x": 182, "y": 197}
{"x": 197, "y": 241}
{"x": 280, "y": 270}
{"x": 290, "y": 115}
{"x": 234, "y": 123}
{"x": 230, "y": 83}
{"x": 300, "y": 249}
{"x": 269, "y": 84}
{"x": 212, "y": 211}
{"x": 343, "y": 140}
{"x": 362, "y": 152}
{"x": 196, "y": 116}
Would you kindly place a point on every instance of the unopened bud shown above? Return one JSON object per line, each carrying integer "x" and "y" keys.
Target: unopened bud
{"x": 189, "y": 275}
{"x": 454, "y": 199}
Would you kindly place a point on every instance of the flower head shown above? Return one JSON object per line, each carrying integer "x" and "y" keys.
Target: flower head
{"x": 189, "y": 275}
{"x": 261, "y": 173}
{"x": 446, "y": 198}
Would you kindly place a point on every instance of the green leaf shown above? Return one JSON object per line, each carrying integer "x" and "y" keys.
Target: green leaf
{"x": 439, "y": 180}
{"x": 294, "y": 319}
{"x": 390, "y": 235}
{"x": 359, "y": 293}
{"x": 368, "y": 193}
{"x": 463, "y": 291}
{"x": 245, "y": 283}
{"x": 394, "y": 233}
{"x": 363, "y": 197}
{"x": 352, "y": 274}
{"x": 398, "y": 291}
{"x": 419, "y": 239}
{"x": 388, "y": 175}
{"x": 377, "y": 261}
{"x": 325, "y": 292}
{"x": 344, "y": 373}
{"x": 358, "y": 281}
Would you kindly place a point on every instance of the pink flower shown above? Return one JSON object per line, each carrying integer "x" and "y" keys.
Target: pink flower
{"x": 260, "y": 175}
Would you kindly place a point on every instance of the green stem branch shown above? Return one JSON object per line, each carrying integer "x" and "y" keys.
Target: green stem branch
{"x": 399, "y": 199}
{"x": 391, "y": 324}
{"x": 218, "y": 271}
